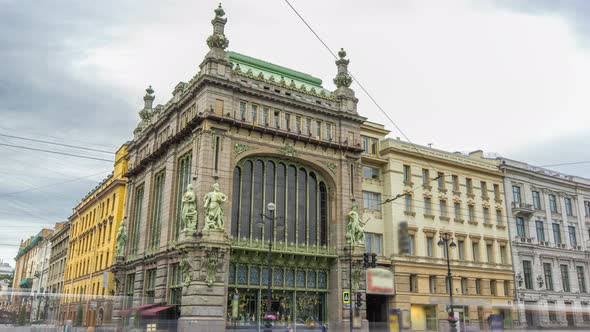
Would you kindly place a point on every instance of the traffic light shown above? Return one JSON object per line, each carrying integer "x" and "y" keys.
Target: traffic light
{"x": 366, "y": 263}
{"x": 373, "y": 260}
{"x": 359, "y": 300}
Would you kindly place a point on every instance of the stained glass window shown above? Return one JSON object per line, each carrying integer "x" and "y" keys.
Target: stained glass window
{"x": 300, "y": 279}
{"x": 231, "y": 275}
{"x": 242, "y": 274}
{"x": 310, "y": 279}
{"x": 289, "y": 278}
{"x": 322, "y": 280}
{"x": 277, "y": 277}
{"x": 265, "y": 276}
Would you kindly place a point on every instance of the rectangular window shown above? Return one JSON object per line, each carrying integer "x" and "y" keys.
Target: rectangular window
{"x": 308, "y": 126}
{"x": 156, "y": 222}
{"x": 369, "y": 144}
{"x": 130, "y": 286}
{"x": 175, "y": 284}
{"x": 552, "y": 203}
{"x": 298, "y": 124}
{"x": 516, "y": 194}
{"x": 373, "y": 243}
{"x": 497, "y": 192}
{"x": 547, "y": 271}
{"x": 427, "y": 206}
{"x": 587, "y": 208}
{"x": 461, "y": 249}
{"x": 425, "y": 176}
{"x": 536, "y": 200}
{"x": 503, "y": 256}
{"x": 528, "y": 274}
{"x": 457, "y": 207}
{"x": 484, "y": 189}
{"x": 486, "y": 215}
{"x": 150, "y": 285}
{"x": 242, "y": 110}
{"x": 277, "y": 119}
{"x": 556, "y": 233}
{"x": 520, "y": 229}
{"x": 413, "y": 283}
{"x": 469, "y": 186}
{"x": 441, "y": 180}
{"x": 565, "y": 278}
{"x": 471, "y": 213}
{"x": 568, "y": 206}
{"x": 371, "y": 200}
{"x": 265, "y": 111}
{"x": 370, "y": 172}
{"x": 407, "y": 174}
{"x": 464, "y": 289}
{"x": 572, "y": 233}
{"x": 182, "y": 181}
{"x": 540, "y": 230}
{"x": 581, "y": 279}
{"x": 318, "y": 129}
{"x": 328, "y": 131}
{"x": 499, "y": 220}
{"x": 475, "y": 250}
{"x": 478, "y": 286}
{"x": 552, "y": 312}
{"x": 136, "y": 230}
{"x": 506, "y": 288}
{"x": 585, "y": 313}
{"x": 254, "y": 113}
{"x": 432, "y": 284}
{"x": 412, "y": 244}
{"x": 443, "y": 208}
{"x": 287, "y": 121}
{"x": 493, "y": 287}
{"x": 490, "y": 253}
{"x": 429, "y": 247}
{"x": 408, "y": 203}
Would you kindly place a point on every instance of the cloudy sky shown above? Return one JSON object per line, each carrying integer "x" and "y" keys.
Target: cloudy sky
{"x": 509, "y": 77}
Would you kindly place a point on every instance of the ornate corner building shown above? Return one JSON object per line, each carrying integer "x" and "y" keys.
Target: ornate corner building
{"x": 550, "y": 245}
{"x": 264, "y": 134}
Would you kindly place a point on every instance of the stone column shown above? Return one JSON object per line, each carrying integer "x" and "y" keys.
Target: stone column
{"x": 204, "y": 296}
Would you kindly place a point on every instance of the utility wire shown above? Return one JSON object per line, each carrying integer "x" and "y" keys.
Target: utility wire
{"x": 53, "y": 184}
{"x": 566, "y": 164}
{"x": 55, "y": 152}
{"x": 54, "y": 143}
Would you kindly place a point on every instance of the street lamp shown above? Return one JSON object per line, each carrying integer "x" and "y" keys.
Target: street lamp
{"x": 271, "y": 218}
{"x": 445, "y": 238}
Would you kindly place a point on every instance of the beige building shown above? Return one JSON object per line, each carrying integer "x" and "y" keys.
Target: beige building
{"x": 437, "y": 192}
{"x": 57, "y": 264}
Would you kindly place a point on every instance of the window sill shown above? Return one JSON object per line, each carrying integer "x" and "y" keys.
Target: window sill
{"x": 500, "y": 227}
{"x": 429, "y": 216}
{"x": 442, "y": 190}
{"x": 410, "y": 213}
{"x": 471, "y": 222}
{"x": 457, "y": 193}
{"x": 427, "y": 187}
{"x": 408, "y": 183}
{"x": 488, "y": 225}
{"x": 460, "y": 221}
{"x": 443, "y": 218}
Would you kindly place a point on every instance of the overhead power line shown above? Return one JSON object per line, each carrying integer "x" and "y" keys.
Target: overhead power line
{"x": 55, "y": 143}
{"x": 53, "y": 184}
{"x": 56, "y": 152}
{"x": 567, "y": 164}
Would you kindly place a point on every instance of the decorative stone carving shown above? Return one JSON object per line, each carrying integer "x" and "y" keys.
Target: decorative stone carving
{"x": 186, "y": 271}
{"x": 356, "y": 276}
{"x": 241, "y": 148}
{"x": 288, "y": 150}
{"x": 331, "y": 166}
{"x": 212, "y": 261}
{"x": 342, "y": 79}
{"x": 213, "y": 209}
{"x": 519, "y": 279}
{"x": 218, "y": 38}
{"x": 355, "y": 235}
{"x": 189, "y": 210}
{"x": 121, "y": 239}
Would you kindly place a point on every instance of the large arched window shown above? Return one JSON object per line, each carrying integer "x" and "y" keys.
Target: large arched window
{"x": 300, "y": 196}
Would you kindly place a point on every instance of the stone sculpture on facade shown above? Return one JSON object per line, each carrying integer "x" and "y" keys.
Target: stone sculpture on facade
{"x": 189, "y": 210}
{"x": 354, "y": 230}
{"x": 121, "y": 239}
{"x": 213, "y": 209}
{"x": 212, "y": 260}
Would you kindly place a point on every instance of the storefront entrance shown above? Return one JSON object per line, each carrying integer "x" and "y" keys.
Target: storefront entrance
{"x": 377, "y": 312}
{"x": 302, "y": 310}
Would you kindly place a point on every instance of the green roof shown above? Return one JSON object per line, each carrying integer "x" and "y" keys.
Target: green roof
{"x": 247, "y": 62}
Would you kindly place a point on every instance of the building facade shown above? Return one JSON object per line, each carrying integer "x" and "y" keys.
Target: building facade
{"x": 264, "y": 134}
{"x": 550, "y": 214}
{"x": 39, "y": 287}
{"x": 25, "y": 270}
{"x": 414, "y": 195}
{"x": 88, "y": 283}
{"x": 57, "y": 265}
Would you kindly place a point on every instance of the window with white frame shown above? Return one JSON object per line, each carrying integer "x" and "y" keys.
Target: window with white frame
{"x": 371, "y": 200}
{"x": 373, "y": 242}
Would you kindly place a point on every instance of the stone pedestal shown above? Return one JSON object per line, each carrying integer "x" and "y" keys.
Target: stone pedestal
{"x": 204, "y": 296}
{"x": 119, "y": 272}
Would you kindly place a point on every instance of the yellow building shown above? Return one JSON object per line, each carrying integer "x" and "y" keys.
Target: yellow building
{"x": 88, "y": 282}
{"x": 435, "y": 193}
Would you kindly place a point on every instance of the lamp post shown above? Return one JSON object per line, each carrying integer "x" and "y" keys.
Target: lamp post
{"x": 445, "y": 238}
{"x": 271, "y": 210}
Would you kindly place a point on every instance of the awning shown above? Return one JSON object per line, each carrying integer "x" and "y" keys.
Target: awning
{"x": 128, "y": 311}
{"x": 155, "y": 310}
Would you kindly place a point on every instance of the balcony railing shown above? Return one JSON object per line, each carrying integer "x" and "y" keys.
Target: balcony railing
{"x": 519, "y": 208}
